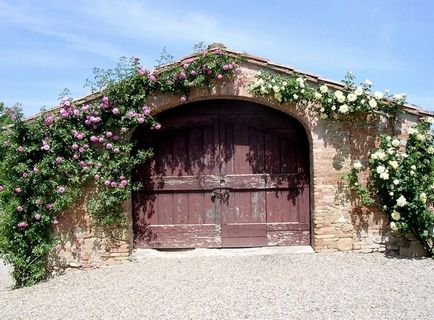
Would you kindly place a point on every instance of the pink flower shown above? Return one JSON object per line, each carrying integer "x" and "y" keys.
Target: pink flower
{"x": 37, "y": 216}
{"x": 141, "y": 70}
{"x": 50, "y": 206}
{"x": 58, "y": 247}
{"x": 20, "y": 209}
{"x": 1, "y": 188}
{"x": 76, "y": 112}
{"x": 113, "y": 184}
{"x": 6, "y": 143}
{"x": 25, "y": 174}
{"x": 116, "y": 150}
{"x": 182, "y": 75}
{"x": 183, "y": 99}
{"x": 123, "y": 183}
{"x": 146, "y": 110}
{"x": 22, "y": 225}
{"x": 185, "y": 65}
{"x": 153, "y": 78}
{"x": 131, "y": 114}
{"x": 76, "y": 156}
{"x": 109, "y": 146}
{"x": 74, "y": 146}
{"x": 140, "y": 120}
{"x": 35, "y": 170}
{"x": 45, "y": 147}
{"x": 115, "y": 111}
{"x": 238, "y": 70}
{"x": 109, "y": 134}
{"x": 193, "y": 73}
{"x": 81, "y": 150}
{"x": 225, "y": 67}
{"x": 80, "y": 136}
{"x": 107, "y": 182}
{"x": 94, "y": 138}
{"x": 121, "y": 178}
{"x": 61, "y": 189}
{"x": 59, "y": 159}
{"x": 55, "y": 222}
{"x": 49, "y": 120}
{"x": 219, "y": 76}
{"x": 101, "y": 139}
{"x": 123, "y": 129}
{"x": 97, "y": 177}
{"x": 67, "y": 103}
{"x": 20, "y": 149}
{"x": 115, "y": 138}
{"x": 158, "y": 126}
{"x": 85, "y": 108}
{"x": 17, "y": 190}
{"x": 39, "y": 202}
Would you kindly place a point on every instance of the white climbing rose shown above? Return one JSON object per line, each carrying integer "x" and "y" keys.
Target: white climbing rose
{"x": 396, "y": 182}
{"x": 276, "y": 89}
{"x": 423, "y": 197}
{"x": 393, "y": 226}
{"x": 368, "y": 82}
{"x": 394, "y": 164}
{"x": 430, "y": 150}
{"x": 412, "y": 131}
{"x": 357, "y": 165}
{"x": 323, "y": 88}
{"x": 396, "y": 215}
{"x": 351, "y": 97}
{"x": 343, "y": 108}
{"x": 384, "y": 175}
{"x": 401, "y": 201}
{"x": 372, "y": 103}
{"x": 381, "y": 169}
{"x": 396, "y": 143}
{"x": 358, "y": 91}
{"x": 378, "y": 95}
{"x": 318, "y": 96}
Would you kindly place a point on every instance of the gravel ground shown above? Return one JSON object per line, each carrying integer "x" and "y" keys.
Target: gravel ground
{"x": 292, "y": 286}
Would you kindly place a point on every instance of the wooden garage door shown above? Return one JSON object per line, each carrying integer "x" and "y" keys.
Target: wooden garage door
{"x": 224, "y": 174}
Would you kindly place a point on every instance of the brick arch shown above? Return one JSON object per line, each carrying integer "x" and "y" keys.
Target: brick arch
{"x": 267, "y": 205}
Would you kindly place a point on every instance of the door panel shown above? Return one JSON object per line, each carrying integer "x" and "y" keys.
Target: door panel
{"x": 225, "y": 173}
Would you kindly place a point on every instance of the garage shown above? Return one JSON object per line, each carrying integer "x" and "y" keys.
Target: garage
{"x": 225, "y": 173}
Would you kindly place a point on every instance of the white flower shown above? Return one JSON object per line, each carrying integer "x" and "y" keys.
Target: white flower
{"x": 357, "y": 165}
{"x": 295, "y": 97}
{"x": 395, "y": 215}
{"x": 379, "y": 154}
{"x": 396, "y": 143}
{"x": 390, "y": 151}
{"x": 323, "y": 116}
{"x": 412, "y": 131}
{"x": 388, "y": 138}
{"x": 368, "y": 82}
{"x": 420, "y": 137}
{"x": 284, "y": 83}
{"x": 393, "y": 226}
{"x": 358, "y": 91}
{"x": 333, "y": 108}
{"x": 373, "y": 103}
{"x": 374, "y": 156}
{"x": 430, "y": 150}
{"x": 378, "y": 95}
{"x": 276, "y": 89}
{"x": 404, "y": 155}
{"x": 396, "y": 182}
{"x": 343, "y": 108}
{"x": 351, "y": 97}
{"x": 413, "y": 167}
{"x": 412, "y": 173}
{"x": 381, "y": 169}
{"x": 429, "y": 119}
{"x": 394, "y": 164}
{"x": 384, "y": 175}
{"x": 300, "y": 82}
{"x": 391, "y": 193}
{"x": 323, "y": 88}
{"x": 341, "y": 99}
{"x": 338, "y": 93}
{"x": 318, "y": 96}
{"x": 259, "y": 73}
{"x": 423, "y": 197}
{"x": 278, "y": 96}
{"x": 321, "y": 110}
{"x": 401, "y": 201}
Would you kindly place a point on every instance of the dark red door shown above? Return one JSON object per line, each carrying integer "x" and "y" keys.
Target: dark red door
{"x": 224, "y": 173}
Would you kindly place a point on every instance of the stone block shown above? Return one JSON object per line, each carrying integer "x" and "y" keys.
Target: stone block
{"x": 345, "y": 244}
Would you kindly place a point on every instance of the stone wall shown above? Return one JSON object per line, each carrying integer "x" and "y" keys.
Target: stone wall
{"x": 338, "y": 222}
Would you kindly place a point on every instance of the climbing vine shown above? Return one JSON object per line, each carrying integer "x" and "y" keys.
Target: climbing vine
{"x": 47, "y": 162}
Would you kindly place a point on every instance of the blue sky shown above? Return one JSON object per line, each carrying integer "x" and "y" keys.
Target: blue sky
{"x": 47, "y": 46}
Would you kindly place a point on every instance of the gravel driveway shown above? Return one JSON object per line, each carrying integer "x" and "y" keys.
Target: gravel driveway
{"x": 291, "y": 286}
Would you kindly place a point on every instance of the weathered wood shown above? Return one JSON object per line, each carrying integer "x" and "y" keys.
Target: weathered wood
{"x": 233, "y": 164}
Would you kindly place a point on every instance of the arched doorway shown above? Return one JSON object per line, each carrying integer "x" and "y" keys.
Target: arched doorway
{"x": 225, "y": 173}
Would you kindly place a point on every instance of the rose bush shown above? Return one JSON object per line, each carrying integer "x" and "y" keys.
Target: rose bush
{"x": 45, "y": 162}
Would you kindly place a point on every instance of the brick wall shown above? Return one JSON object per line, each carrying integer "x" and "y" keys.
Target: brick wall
{"x": 338, "y": 223}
